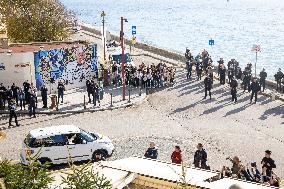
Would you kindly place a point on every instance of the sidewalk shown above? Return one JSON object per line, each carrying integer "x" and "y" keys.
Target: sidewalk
{"x": 74, "y": 101}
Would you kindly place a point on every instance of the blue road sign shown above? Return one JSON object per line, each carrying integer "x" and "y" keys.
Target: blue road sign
{"x": 133, "y": 30}
{"x": 211, "y": 42}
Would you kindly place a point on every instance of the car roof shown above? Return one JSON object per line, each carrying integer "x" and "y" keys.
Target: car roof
{"x": 54, "y": 130}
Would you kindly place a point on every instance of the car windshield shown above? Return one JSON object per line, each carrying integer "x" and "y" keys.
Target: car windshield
{"x": 86, "y": 136}
{"x": 29, "y": 140}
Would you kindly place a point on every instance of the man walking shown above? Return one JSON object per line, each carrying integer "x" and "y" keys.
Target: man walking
{"x": 12, "y": 108}
{"x": 263, "y": 76}
{"x": 44, "y": 95}
{"x": 254, "y": 88}
{"x": 208, "y": 86}
{"x": 234, "y": 86}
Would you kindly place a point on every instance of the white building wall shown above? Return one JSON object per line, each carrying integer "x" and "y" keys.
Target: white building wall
{"x": 13, "y": 72}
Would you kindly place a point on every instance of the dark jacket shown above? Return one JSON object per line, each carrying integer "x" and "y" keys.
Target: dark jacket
{"x": 12, "y": 106}
{"x": 208, "y": 83}
{"x": 61, "y": 88}
{"x": 200, "y": 158}
{"x": 263, "y": 75}
{"x": 254, "y": 87}
{"x": 151, "y": 153}
{"x": 44, "y": 92}
{"x": 278, "y": 76}
{"x": 269, "y": 167}
{"x": 234, "y": 84}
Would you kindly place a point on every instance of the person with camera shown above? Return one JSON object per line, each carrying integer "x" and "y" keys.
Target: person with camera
{"x": 268, "y": 165}
{"x": 278, "y": 77}
{"x": 200, "y": 157}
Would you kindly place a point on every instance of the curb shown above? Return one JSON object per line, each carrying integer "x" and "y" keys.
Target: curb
{"x": 53, "y": 112}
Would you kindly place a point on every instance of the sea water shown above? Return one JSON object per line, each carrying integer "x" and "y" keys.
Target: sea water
{"x": 234, "y": 25}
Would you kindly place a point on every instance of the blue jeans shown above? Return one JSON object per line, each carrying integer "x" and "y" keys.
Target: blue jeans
{"x": 60, "y": 95}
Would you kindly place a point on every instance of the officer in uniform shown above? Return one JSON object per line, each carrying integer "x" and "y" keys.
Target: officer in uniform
{"x": 208, "y": 85}
{"x": 254, "y": 88}
{"x": 44, "y": 95}
{"x": 278, "y": 77}
{"x": 263, "y": 76}
{"x": 12, "y": 108}
{"x": 234, "y": 86}
{"x": 246, "y": 79}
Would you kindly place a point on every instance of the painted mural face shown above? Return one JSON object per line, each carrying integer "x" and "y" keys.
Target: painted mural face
{"x": 70, "y": 65}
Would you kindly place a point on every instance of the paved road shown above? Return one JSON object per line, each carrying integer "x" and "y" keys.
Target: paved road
{"x": 178, "y": 116}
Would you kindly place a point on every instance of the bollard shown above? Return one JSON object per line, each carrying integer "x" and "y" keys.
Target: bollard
{"x": 129, "y": 96}
{"x": 57, "y": 102}
{"x": 111, "y": 105}
{"x": 84, "y": 102}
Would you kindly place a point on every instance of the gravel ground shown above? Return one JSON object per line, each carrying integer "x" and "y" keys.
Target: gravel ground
{"x": 177, "y": 115}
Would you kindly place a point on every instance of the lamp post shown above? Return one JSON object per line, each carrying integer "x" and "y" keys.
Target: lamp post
{"x": 103, "y": 14}
{"x": 122, "y": 57}
{"x": 256, "y": 49}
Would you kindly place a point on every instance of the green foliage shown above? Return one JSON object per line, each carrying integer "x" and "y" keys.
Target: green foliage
{"x": 17, "y": 176}
{"x": 35, "y": 20}
{"x": 84, "y": 178}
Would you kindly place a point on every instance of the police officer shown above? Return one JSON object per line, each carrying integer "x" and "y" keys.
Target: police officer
{"x": 263, "y": 76}
{"x": 223, "y": 74}
{"x": 207, "y": 85}
{"x": 2, "y": 96}
{"x": 254, "y": 88}
{"x": 12, "y": 108}
{"x": 278, "y": 77}
{"x": 189, "y": 69}
{"x": 44, "y": 95}
{"x": 246, "y": 79}
{"x": 27, "y": 86}
{"x": 234, "y": 86}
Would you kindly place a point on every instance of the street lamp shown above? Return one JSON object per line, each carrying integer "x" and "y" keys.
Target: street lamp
{"x": 122, "y": 57}
{"x": 256, "y": 49}
{"x": 103, "y": 14}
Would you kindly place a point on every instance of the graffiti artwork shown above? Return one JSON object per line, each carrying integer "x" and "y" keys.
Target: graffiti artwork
{"x": 71, "y": 65}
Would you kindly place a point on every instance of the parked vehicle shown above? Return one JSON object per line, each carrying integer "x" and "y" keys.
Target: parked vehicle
{"x": 57, "y": 144}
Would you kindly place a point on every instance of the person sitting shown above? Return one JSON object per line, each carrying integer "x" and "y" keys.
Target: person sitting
{"x": 176, "y": 155}
{"x": 152, "y": 151}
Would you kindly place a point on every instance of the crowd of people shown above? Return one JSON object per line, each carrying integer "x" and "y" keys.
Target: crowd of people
{"x": 235, "y": 75}
{"x": 249, "y": 172}
{"x": 151, "y": 76}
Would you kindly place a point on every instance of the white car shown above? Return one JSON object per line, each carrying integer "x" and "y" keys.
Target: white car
{"x": 57, "y": 144}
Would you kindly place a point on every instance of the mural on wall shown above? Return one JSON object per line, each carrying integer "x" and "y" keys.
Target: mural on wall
{"x": 70, "y": 65}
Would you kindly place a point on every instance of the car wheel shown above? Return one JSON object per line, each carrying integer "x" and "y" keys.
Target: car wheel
{"x": 103, "y": 153}
{"x": 44, "y": 161}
